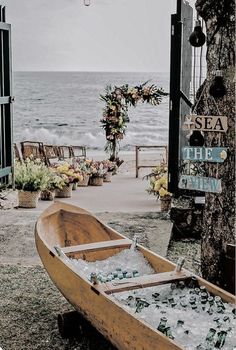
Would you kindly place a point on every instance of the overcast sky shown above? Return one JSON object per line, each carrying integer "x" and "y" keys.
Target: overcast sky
{"x": 109, "y": 35}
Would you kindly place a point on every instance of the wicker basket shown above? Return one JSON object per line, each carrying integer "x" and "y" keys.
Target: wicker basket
{"x": 28, "y": 199}
{"x": 96, "y": 181}
{"x": 84, "y": 182}
{"x": 107, "y": 177}
{"x": 165, "y": 203}
{"x": 47, "y": 195}
{"x": 66, "y": 192}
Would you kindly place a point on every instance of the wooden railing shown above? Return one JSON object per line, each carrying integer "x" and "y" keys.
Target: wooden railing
{"x": 139, "y": 148}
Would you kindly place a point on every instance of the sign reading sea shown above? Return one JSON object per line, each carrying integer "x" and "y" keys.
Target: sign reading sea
{"x": 205, "y": 123}
{"x": 204, "y": 154}
{"x": 204, "y": 184}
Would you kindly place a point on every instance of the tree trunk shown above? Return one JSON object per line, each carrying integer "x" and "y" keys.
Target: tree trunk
{"x": 219, "y": 212}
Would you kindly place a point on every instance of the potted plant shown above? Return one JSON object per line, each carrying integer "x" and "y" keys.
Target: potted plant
{"x": 62, "y": 170}
{"x": 110, "y": 168}
{"x": 97, "y": 173}
{"x": 158, "y": 186}
{"x": 83, "y": 167}
{"x": 56, "y": 182}
{"x": 31, "y": 176}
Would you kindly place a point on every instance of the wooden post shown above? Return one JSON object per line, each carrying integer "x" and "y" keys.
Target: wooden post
{"x": 136, "y": 160}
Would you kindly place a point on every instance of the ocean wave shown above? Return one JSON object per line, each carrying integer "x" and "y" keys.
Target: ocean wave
{"x": 89, "y": 139}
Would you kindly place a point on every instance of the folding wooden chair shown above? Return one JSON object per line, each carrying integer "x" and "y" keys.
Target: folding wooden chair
{"x": 51, "y": 153}
{"x": 33, "y": 149}
{"x": 78, "y": 151}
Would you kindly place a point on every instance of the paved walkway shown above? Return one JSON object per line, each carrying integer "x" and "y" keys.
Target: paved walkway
{"x": 124, "y": 204}
{"x": 124, "y": 194}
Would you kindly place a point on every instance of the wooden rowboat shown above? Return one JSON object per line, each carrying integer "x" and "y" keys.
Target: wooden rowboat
{"x": 79, "y": 234}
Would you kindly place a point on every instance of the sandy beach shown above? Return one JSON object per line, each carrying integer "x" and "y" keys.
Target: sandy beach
{"x": 29, "y": 302}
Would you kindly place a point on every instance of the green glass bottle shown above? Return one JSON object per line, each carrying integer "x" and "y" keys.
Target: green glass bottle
{"x": 216, "y": 319}
{"x": 162, "y": 325}
{"x": 210, "y": 335}
{"x": 193, "y": 282}
{"x": 221, "y": 336}
{"x": 192, "y": 300}
{"x": 168, "y": 332}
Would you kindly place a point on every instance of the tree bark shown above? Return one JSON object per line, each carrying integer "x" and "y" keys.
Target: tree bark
{"x": 219, "y": 214}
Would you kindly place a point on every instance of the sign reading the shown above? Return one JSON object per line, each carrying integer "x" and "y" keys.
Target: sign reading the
{"x": 205, "y": 123}
{"x": 197, "y": 183}
{"x": 204, "y": 154}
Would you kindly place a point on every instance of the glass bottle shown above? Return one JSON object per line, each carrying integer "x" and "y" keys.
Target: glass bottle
{"x": 131, "y": 301}
{"x": 162, "y": 325}
{"x": 217, "y": 322}
{"x": 168, "y": 333}
{"x": 179, "y": 330}
{"x": 208, "y": 344}
{"x": 193, "y": 282}
{"x": 210, "y": 308}
{"x": 221, "y": 336}
{"x": 210, "y": 335}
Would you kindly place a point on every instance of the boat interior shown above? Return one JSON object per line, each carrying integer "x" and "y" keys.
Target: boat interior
{"x": 82, "y": 236}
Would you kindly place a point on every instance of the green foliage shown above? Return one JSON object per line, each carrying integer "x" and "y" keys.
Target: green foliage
{"x": 115, "y": 114}
{"x": 31, "y": 175}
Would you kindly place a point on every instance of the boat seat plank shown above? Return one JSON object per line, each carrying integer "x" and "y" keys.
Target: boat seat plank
{"x": 102, "y": 245}
{"x": 142, "y": 282}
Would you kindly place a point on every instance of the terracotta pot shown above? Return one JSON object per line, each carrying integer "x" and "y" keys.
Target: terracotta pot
{"x": 107, "y": 177}
{"x": 65, "y": 192}
{"x": 28, "y": 199}
{"x": 165, "y": 203}
{"x": 84, "y": 182}
{"x": 96, "y": 181}
{"x": 47, "y": 195}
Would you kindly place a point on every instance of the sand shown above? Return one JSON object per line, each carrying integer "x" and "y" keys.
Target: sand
{"x": 29, "y": 302}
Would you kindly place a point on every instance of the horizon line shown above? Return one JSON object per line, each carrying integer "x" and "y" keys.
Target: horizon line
{"x": 84, "y": 71}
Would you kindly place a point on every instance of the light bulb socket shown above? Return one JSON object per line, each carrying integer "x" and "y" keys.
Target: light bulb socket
{"x": 197, "y": 23}
{"x": 218, "y": 73}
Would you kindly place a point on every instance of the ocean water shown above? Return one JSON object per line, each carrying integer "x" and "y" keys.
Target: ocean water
{"x": 65, "y": 108}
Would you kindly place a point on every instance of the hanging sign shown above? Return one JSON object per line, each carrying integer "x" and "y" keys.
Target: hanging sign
{"x": 198, "y": 183}
{"x": 204, "y": 154}
{"x": 205, "y": 123}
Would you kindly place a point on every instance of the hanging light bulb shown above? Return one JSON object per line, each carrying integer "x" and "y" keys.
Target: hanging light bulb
{"x": 196, "y": 139}
{"x": 217, "y": 88}
{"x": 87, "y": 2}
{"x": 197, "y": 37}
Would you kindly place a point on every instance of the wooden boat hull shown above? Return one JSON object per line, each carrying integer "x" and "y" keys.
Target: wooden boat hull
{"x": 122, "y": 328}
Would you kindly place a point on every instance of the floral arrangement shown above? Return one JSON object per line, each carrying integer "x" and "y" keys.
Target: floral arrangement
{"x": 31, "y": 175}
{"x": 158, "y": 184}
{"x": 56, "y": 181}
{"x": 115, "y": 114}
{"x": 68, "y": 172}
{"x": 83, "y": 165}
{"x": 97, "y": 169}
{"x": 108, "y": 165}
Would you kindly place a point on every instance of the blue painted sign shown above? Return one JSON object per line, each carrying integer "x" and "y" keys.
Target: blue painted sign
{"x": 204, "y": 154}
{"x": 198, "y": 183}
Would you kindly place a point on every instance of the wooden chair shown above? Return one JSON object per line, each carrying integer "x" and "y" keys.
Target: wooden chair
{"x": 33, "y": 149}
{"x": 64, "y": 152}
{"x": 78, "y": 151}
{"x": 51, "y": 153}
{"x": 16, "y": 152}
